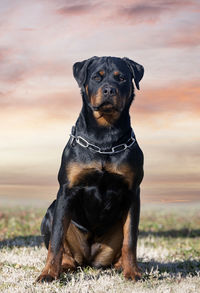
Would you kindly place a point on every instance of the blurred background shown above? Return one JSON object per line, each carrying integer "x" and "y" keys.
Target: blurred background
{"x": 40, "y": 101}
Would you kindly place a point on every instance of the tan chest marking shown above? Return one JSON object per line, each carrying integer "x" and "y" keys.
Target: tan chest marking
{"x": 76, "y": 171}
{"x": 124, "y": 169}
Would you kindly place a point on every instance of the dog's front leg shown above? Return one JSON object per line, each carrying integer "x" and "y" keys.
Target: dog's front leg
{"x": 129, "y": 248}
{"x": 61, "y": 220}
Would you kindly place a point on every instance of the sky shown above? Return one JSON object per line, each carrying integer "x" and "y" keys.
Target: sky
{"x": 40, "y": 41}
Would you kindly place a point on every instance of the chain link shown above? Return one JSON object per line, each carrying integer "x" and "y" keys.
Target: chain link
{"x": 114, "y": 150}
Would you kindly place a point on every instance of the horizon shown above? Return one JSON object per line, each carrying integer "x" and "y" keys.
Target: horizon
{"x": 40, "y": 100}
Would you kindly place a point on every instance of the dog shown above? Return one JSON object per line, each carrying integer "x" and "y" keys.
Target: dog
{"x": 94, "y": 219}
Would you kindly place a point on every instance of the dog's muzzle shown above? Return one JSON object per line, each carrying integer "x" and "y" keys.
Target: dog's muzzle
{"x": 105, "y": 107}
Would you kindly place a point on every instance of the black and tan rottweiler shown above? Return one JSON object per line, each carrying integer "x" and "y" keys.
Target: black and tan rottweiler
{"x": 94, "y": 220}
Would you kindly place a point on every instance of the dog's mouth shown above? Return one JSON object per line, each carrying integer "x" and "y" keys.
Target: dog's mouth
{"x": 106, "y": 107}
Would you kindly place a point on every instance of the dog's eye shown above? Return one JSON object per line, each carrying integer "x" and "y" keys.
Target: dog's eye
{"x": 122, "y": 78}
{"x": 119, "y": 77}
{"x": 97, "y": 77}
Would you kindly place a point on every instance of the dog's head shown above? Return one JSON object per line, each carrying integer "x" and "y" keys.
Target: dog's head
{"x": 106, "y": 83}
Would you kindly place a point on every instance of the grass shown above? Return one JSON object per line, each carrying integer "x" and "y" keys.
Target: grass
{"x": 168, "y": 253}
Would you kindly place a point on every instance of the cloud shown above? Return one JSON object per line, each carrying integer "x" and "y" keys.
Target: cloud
{"x": 29, "y": 29}
{"x": 150, "y": 12}
{"x": 6, "y": 53}
{"x": 188, "y": 36}
{"x": 182, "y": 97}
{"x": 62, "y": 106}
{"x": 179, "y": 98}
{"x": 77, "y": 9}
{"x": 14, "y": 71}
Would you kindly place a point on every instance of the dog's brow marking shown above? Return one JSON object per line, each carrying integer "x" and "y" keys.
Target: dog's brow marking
{"x": 116, "y": 73}
{"x": 101, "y": 72}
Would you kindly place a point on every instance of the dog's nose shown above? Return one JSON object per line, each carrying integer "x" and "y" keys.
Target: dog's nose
{"x": 109, "y": 91}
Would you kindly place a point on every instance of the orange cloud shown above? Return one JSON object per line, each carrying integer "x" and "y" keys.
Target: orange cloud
{"x": 182, "y": 97}
{"x": 17, "y": 72}
{"x": 188, "y": 36}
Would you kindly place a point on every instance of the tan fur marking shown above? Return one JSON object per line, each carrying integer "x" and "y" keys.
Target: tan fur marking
{"x": 128, "y": 258}
{"x": 76, "y": 245}
{"x": 105, "y": 250}
{"x": 116, "y": 73}
{"x": 124, "y": 170}
{"x": 68, "y": 263}
{"x": 86, "y": 89}
{"x": 75, "y": 171}
{"x": 53, "y": 265}
{"x": 106, "y": 119}
{"x": 101, "y": 72}
{"x": 108, "y": 247}
{"x": 97, "y": 98}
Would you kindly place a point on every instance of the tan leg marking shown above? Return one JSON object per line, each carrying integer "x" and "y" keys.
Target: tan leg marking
{"x": 107, "y": 249}
{"x": 129, "y": 258}
{"x": 52, "y": 268}
{"x": 76, "y": 245}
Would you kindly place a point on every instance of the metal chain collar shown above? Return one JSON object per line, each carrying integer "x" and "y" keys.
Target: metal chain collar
{"x": 114, "y": 150}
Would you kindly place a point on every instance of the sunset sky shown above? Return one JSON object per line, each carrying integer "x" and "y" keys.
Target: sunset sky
{"x": 40, "y": 40}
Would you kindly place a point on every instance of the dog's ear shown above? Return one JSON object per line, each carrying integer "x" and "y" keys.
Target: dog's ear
{"x": 136, "y": 69}
{"x": 80, "y": 70}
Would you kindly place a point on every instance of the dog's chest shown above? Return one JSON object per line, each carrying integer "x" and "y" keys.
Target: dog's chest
{"x": 102, "y": 192}
{"x": 81, "y": 173}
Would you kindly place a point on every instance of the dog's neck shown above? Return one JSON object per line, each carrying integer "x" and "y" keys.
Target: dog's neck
{"x": 88, "y": 127}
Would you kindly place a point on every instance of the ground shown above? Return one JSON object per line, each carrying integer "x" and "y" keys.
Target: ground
{"x": 168, "y": 254}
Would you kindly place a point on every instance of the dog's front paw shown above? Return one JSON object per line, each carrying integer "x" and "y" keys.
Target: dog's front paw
{"x": 133, "y": 273}
{"x": 46, "y": 278}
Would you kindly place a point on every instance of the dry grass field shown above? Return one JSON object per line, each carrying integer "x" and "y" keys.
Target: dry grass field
{"x": 168, "y": 251}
